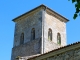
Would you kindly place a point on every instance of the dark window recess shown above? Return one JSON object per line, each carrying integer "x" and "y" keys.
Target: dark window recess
{"x": 58, "y": 38}
{"x": 32, "y": 34}
{"x": 50, "y": 34}
{"x": 22, "y": 38}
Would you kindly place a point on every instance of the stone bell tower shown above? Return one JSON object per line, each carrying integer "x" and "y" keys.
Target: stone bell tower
{"x": 38, "y": 31}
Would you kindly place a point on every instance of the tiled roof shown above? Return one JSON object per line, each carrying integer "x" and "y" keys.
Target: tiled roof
{"x": 55, "y": 50}
{"x": 37, "y": 8}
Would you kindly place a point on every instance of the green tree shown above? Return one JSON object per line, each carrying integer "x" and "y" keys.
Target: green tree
{"x": 77, "y": 7}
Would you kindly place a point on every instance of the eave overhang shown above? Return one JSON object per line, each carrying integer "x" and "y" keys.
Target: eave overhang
{"x": 45, "y": 8}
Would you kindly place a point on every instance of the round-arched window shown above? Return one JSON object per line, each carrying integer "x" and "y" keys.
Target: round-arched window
{"x": 50, "y": 34}
{"x": 58, "y": 38}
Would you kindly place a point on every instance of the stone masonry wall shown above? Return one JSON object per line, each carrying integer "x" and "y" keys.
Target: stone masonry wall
{"x": 25, "y": 26}
{"x": 57, "y": 26}
{"x": 27, "y": 49}
{"x": 49, "y": 46}
{"x": 34, "y": 20}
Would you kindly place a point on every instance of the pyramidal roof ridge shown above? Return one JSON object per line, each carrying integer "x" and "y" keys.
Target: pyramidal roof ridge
{"x": 42, "y": 5}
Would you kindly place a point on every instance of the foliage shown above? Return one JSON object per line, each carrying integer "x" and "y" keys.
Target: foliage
{"x": 77, "y": 7}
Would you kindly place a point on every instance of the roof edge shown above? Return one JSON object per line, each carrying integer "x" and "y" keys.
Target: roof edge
{"x": 65, "y": 47}
{"x": 42, "y": 5}
{"x": 28, "y": 12}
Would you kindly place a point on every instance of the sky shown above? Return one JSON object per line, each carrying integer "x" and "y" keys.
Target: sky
{"x": 9, "y": 9}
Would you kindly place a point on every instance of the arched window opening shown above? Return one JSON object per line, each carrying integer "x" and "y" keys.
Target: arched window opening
{"x": 22, "y": 38}
{"x": 33, "y": 34}
{"x": 58, "y": 38}
{"x": 50, "y": 34}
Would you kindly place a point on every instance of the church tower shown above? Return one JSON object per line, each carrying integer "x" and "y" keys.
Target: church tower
{"x": 38, "y": 31}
